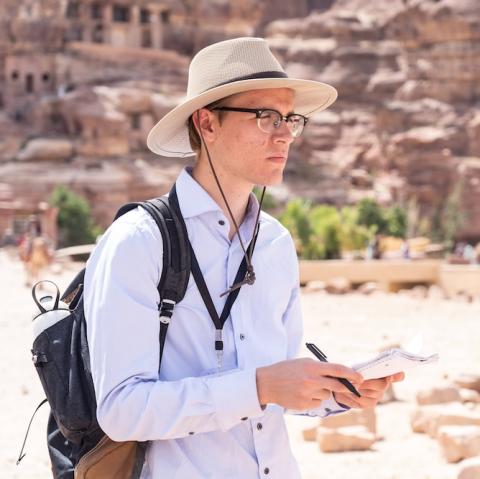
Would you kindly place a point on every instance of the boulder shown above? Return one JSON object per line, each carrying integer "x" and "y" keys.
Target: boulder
{"x": 470, "y": 469}
{"x": 41, "y": 149}
{"x": 352, "y": 438}
{"x": 469, "y": 396}
{"x": 468, "y": 381}
{"x": 436, "y": 292}
{"x": 310, "y": 434}
{"x": 368, "y": 288}
{"x": 438, "y": 394}
{"x": 459, "y": 442}
{"x": 338, "y": 286}
{"x": 353, "y": 417}
{"x": 313, "y": 286}
{"x": 428, "y": 419}
{"x": 419, "y": 292}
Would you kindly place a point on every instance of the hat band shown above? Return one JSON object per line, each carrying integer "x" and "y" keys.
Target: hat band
{"x": 253, "y": 76}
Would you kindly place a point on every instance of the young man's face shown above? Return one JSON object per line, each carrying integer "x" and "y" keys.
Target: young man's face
{"x": 244, "y": 151}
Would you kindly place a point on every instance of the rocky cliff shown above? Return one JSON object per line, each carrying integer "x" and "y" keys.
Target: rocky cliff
{"x": 404, "y": 129}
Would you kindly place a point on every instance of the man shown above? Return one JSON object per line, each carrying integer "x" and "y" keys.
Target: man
{"x": 215, "y": 411}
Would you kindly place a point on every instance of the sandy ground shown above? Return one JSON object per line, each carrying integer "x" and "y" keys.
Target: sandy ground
{"x": 348, "y": 328}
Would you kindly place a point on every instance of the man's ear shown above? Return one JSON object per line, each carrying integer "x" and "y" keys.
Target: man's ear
{"x": 206, "y": 124}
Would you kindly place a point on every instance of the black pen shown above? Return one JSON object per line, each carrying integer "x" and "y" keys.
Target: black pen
{"x": 319, "y": 355}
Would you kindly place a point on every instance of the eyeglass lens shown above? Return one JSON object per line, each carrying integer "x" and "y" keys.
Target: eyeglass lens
{"x": 270, "y": 120}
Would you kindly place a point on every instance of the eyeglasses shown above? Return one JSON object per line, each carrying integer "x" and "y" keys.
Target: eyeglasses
{"x": 270, "y": 120}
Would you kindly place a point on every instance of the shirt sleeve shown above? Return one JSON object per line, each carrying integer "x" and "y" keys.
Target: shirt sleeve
{"x": 121, "y": 309}
{"x": 293, "y": 322}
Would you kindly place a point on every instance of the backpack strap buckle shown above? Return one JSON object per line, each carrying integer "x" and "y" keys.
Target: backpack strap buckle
{"x": 166, "y": 310}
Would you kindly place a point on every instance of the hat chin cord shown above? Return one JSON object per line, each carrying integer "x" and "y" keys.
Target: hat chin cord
{"x": 250, "y": 274}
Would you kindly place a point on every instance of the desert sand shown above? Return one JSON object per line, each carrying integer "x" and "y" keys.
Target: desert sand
{"x": 348, "y": 328}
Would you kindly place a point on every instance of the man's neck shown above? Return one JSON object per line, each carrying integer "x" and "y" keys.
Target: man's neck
{"x": 236, "y": 192}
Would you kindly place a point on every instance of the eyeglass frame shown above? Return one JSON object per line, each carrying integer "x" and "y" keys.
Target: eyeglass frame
{"x": 258, "y": 112}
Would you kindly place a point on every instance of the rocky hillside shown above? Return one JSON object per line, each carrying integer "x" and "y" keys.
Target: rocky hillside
{"x": 407, "y": 122}
{"x": 406, "y": 126}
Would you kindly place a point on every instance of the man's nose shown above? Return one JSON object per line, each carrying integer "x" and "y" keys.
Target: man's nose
{"x": 283, "y": 133}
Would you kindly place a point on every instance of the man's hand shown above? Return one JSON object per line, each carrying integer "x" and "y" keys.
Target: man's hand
{"x": 371, "y": 391}
{"x": 302, "y": 384}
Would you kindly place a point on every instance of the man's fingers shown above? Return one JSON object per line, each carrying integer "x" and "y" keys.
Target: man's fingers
{"x": 333, "y": 385}
{"x": 375, "y": 384}
{"x": 338, "y": 371}
{"x": 395, "y": 378}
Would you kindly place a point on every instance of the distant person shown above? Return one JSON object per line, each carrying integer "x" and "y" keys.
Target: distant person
{"x": 469, "y": 253}
{"x": 35, "y": 252}
{"x": 8, "y": 238}
{"x": 373, "y": 249}
{"x": 405, "y": 249}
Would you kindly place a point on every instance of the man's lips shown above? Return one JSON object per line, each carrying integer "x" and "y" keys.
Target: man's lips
{"x": 277, "y": 158}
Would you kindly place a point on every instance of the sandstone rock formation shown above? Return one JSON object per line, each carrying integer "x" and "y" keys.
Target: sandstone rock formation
{"x": 408, "y": 101}
{"x": 405, "y": 127}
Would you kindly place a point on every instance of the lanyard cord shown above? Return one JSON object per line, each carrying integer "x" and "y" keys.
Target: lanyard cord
{"x": 250, "y": 273}
{"x": 218, "y": 321}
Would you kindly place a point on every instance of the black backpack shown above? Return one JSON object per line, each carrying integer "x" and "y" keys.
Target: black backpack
{"x": 77, "y": 445}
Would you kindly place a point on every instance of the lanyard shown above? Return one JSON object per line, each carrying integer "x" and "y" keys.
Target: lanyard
{"x": 218, "y": 321}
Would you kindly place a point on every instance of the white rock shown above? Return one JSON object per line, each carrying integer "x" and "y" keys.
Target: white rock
{"x": 352, "y": 438}
{"x": 459, "y": 442}
{"x": 439, "y": 394}
{"x": 470, "y": 469}
{"x": 353, "y": 417}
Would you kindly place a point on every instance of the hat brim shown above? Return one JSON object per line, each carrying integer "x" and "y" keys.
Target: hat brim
{"x": 169, "y": 137}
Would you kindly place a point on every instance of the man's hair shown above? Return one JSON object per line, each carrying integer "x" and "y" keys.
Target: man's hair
{"x": 193, "y": 135}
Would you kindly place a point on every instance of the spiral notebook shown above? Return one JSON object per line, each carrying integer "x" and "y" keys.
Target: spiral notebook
{"x": 392, "y": 361}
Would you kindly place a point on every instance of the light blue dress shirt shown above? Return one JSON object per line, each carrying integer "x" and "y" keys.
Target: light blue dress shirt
{"x": 202, "y": 422}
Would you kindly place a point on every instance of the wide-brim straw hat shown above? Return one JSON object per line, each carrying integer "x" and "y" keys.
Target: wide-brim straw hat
{"x": 223, "y": 69}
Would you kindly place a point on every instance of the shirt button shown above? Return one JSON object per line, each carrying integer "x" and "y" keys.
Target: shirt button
{"x": 221, "y": 222}
{"x": 242, "y": 337}
{"x": 266, "y": 470}
{"x": 244, "y": 418}
{"x": 191, "y": 433}
{"x": 327, "y": 409}
{"x": 259, "y": 426}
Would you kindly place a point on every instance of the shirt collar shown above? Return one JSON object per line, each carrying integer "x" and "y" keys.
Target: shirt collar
{"x": 195, "y": 201}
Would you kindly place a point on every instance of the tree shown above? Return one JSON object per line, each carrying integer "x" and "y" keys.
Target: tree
{"x": 371, "y": 214}
{"x": 74, "y": 219}
{"x": 396, "y": 218}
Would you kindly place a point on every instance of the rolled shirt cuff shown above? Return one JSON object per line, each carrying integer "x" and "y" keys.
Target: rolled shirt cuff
{"x": 329, "y": 407}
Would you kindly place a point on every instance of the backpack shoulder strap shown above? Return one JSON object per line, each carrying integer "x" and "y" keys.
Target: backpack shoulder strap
{"x": 176, "y": 261}
{"x": 176, "y": 258}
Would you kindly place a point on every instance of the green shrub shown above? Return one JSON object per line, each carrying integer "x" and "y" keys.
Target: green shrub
{"x": 354, "y": 236}
{"x": 396, "y": 218}
{"x": 74, "y": 218}
{"x": 315, "y": 229}
{"x": 370, "y": 213}
{"x": 323, "y": 231}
